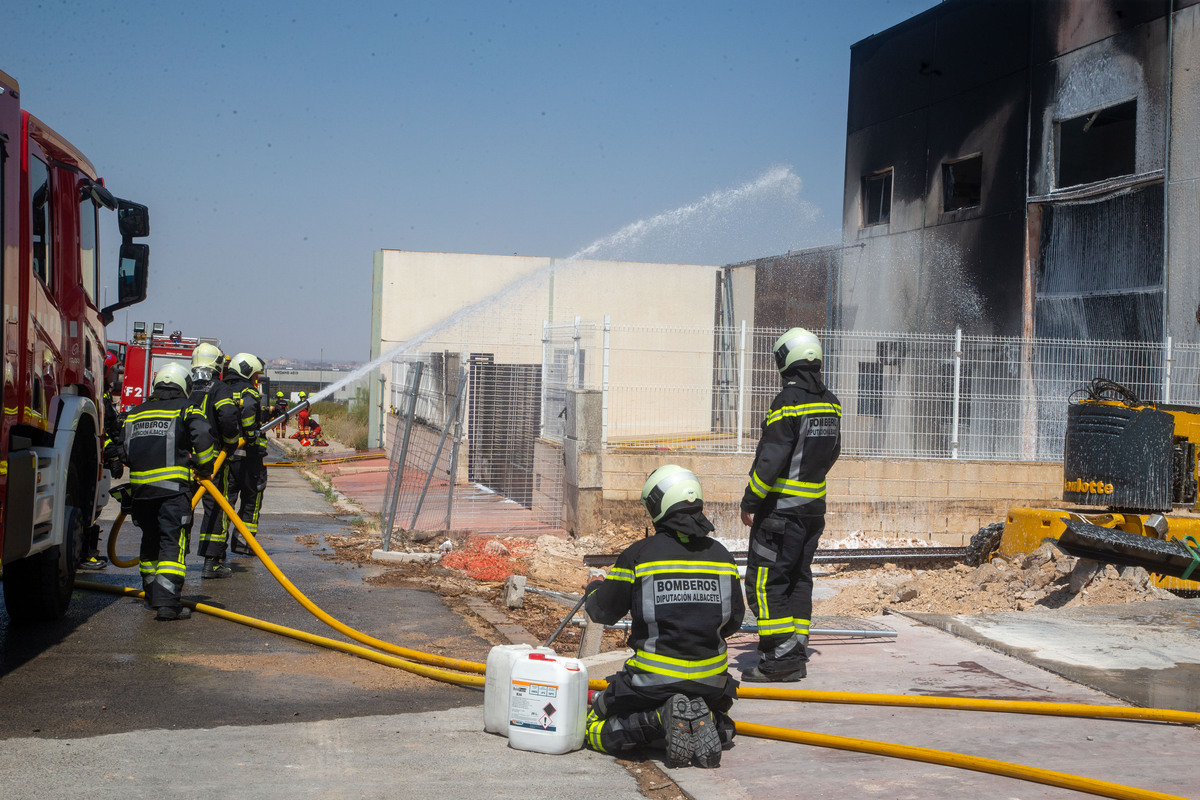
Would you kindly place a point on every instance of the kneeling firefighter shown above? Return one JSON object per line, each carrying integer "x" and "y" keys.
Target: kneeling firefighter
{"x": 165, "y": 437}
{"x": 215, "y": 399}
{"x": 248, "y": 472}
{"x": 683, "y": 594}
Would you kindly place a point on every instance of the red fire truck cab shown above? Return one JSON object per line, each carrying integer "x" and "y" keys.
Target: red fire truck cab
{"x": 52, "y": 483}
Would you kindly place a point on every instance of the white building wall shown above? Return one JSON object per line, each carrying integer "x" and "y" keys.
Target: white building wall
{"x": 471, "y": 303}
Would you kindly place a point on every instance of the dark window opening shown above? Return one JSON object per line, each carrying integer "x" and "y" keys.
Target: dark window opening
{"x": 870, "y": 389}
{"x": 42, "y": 234}
{"x": 1098, "y": 145}
{"x": 877, "y": 198}
{"x": 962, "y": 183}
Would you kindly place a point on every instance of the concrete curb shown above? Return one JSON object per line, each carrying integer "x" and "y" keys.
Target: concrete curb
{"x": 389, "y": 555}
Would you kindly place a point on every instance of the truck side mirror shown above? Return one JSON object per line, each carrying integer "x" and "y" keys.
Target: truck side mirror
{"x": 132, "y": 277}
{"x": 133, "y": 219}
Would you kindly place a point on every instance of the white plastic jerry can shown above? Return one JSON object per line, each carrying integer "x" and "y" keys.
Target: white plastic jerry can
{"x": 496, "y": 678}
{"x": 547, "y": 704}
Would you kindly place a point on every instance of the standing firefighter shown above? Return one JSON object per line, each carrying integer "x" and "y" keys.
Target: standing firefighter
{"x": 682, "y": 592}
{"x": 214, "y": 398}
{"x": 165, "y": 437}
{"x": 248, "y": 473}
{"x": 278, "y": 410}
{"x": 784, "y": 505}
{"x": 113, "y": 454}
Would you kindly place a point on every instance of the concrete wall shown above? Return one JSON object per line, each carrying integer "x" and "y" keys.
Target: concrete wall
{"x": 940, "y": 501}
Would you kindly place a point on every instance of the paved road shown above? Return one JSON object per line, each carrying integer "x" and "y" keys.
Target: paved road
{"x": 111, "y": 703}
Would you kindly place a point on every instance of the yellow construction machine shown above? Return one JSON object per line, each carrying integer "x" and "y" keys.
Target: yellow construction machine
{"x": 1130, "y": 477}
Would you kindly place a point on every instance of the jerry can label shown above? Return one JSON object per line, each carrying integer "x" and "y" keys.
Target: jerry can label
{"x": 531, "y": 705}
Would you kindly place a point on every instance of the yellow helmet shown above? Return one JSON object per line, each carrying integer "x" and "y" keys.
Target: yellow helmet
{"x": 246, "y": 365}
{"x": 206, "y": 356}
{"x": 173, "y": 375}
{"x": 797, "y": 345}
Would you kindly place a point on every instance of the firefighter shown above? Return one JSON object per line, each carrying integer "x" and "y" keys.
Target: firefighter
{"x": 215, "y": 399}
{"x": 280, "y": 408}
{"x": 682, "y": 591}
{"x": 248, "y": 473}
{"x": 303, "y": 414}
{"x": 165, "y": 438}
{"x": 784, "y": 506}
{"x": 112, "y": 455}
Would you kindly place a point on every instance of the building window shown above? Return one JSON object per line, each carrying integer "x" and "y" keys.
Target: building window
{"x": 1098, "y": 145}
{"x": 962, "y": 183}
{"x": 877, "y": 198}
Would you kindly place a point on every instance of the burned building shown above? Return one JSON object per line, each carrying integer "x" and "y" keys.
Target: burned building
{"x": 1026, "y": 167}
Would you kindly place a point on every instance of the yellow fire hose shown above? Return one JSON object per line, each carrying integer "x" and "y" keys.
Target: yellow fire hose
{"x": 446, "y": 676}
{"x": 972, "y": 704}
{"x": 1007, "y": 769}
{"x": 945, "y": 758}
{"x": 931, "y": 756}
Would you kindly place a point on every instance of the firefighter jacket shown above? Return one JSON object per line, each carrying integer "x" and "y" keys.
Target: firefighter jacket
{"x": 114, "y": 452}
{"x": 684, "y": 597}
{"x": 164, "y": 438}
{"x": 215, "y": 399}
{"x": 249, "y": 403}
{"x": 801, "y": 439}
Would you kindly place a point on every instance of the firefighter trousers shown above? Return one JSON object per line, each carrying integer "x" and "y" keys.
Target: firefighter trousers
{"x": 214, "y": 529}
{"x": 247, "y": 480}
{"x": 166, "y": 523}
{"x": 625, "y": 716}
{"x": 779, "y": 586}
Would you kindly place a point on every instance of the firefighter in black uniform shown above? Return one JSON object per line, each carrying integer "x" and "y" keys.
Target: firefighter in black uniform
{"x": 784, "y": 505}
{"x": 278, "y": 410}
{"x": 166, "y": 437}
{"x": 214, "y": 397}
{"x": 682, "y": 592}
{"x": 248, "y": 473}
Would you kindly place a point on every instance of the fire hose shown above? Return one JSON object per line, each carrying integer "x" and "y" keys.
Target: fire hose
{"x": 427, "y": 664}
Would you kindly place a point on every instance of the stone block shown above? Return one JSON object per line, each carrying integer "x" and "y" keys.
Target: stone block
{"x": 584, "y": 415}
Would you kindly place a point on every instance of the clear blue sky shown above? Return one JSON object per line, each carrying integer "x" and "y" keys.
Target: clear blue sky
{"x": 279, "y": 145}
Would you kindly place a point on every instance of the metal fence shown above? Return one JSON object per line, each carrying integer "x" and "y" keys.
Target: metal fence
{"x": 707, "y": 388}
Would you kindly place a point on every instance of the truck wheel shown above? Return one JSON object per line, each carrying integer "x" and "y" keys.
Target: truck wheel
{"x": 984, "y": 543}
{"x": 38, "y": 588}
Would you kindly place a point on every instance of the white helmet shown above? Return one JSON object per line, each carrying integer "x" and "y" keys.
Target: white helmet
{"x": 246, "y": 365}
{"x": 173, "y": 375}
{"x": 670, "y": 488}
{"x": 797, "y": 345}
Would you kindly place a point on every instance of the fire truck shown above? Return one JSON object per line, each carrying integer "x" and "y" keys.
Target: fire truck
{"x": 52, "y": 482}
{"x": 146, "y": 354}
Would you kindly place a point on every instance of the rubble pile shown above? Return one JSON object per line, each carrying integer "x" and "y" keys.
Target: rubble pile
{"x": 1046, "y": 578}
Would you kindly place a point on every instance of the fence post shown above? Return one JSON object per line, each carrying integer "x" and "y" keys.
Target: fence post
{"x": 547, "y": 360}
{"x": 390, "y": 516}
{"x": 604, "y": 383}
{"x": 575, "y": 357}
{"x": 957, "y": 392}
{"x": 454, "y": 445}
{"x": 741, "y": 401}
{"x": 1167, "y": 372}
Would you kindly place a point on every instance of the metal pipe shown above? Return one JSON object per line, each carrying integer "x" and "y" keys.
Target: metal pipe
{"x": 957, "y": 392}
{"x": 741, "y": 409}
{"x": 284, "y": 417}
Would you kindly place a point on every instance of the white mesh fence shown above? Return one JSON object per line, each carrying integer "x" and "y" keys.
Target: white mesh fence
{"x": 494, "y": 462}
{"x": 707, "y": 388}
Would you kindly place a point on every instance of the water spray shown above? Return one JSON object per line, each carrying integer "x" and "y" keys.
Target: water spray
{"x": 630, "y": 234}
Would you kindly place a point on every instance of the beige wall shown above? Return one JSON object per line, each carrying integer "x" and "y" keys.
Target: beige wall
{"x": 422, "y": 291}
{"x": 940, "y": 501}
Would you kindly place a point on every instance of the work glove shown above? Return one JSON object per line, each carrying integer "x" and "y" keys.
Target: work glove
{"x": 204, "y": 471}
